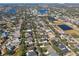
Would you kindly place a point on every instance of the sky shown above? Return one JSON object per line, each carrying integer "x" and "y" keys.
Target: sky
{"x": 39, "y": 1}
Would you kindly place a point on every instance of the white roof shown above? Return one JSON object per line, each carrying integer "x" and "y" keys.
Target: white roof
{"x": 29, "y": 30}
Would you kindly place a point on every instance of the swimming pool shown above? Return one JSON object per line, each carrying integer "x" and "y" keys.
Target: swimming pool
{"x": 65, "y": 27}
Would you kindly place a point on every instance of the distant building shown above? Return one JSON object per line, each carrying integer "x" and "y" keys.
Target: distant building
{"x": 51, "y": 19}
{"x": 77, "y": 46}
{"x": 31, "y": 53}
{"x": 63, "y": 48}
{"x": 5, "y": 35}
{"x": 34, "y": 12}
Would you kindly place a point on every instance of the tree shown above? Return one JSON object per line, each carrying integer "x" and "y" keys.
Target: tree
{"x": 23, "y": 47}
